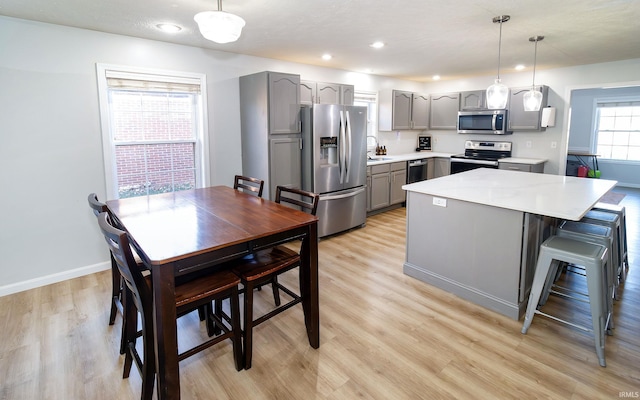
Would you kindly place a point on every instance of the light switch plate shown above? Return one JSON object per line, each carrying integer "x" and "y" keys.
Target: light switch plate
{"x": 440, "y": 202}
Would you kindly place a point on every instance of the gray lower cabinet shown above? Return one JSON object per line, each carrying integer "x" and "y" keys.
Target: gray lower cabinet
{"x": 538, "y": 168}
{"x": 385, "y": 183}
{"x": 443, "y": 111}
{"x": 286, "y": 163}
{"x": 442, "y": 167}
{"x": 430, "y": 168}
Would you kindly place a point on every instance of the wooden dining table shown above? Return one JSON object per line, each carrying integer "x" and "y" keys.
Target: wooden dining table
{"x": 183, "y": 232}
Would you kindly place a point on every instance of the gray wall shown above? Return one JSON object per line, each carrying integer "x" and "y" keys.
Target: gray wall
{"x": 582, "y": 130}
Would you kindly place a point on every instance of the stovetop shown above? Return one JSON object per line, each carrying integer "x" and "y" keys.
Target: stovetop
{"x": 483, "y": 150}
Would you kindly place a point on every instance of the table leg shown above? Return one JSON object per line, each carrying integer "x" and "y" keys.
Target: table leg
{"x": 164, "y": 324}
{"x": 309, "y": 285}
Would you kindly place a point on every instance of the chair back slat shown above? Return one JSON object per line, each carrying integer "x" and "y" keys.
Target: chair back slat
{"x": 248, "y": 184}
{"x": 119, "y": 246}
{"x": 307, "y": 201}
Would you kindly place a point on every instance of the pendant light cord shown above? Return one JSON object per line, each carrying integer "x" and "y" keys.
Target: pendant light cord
{"x": 535, "y": 57}
{"x": 499, "y": 47}
{"x": 219, "y": 5}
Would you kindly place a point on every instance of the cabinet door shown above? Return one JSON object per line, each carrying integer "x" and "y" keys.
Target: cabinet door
{"x": 443, "y": 110}
{"x": 401, "y": 118}
{"x": 396, "y": 194}
{"x": 442, "y": 167}
{"x": 430, "y": 168}
{"x": 284, "y": 164}
{"x": 472, "y": 100}
{"x": 347, "y": 94}
{"x": 521, "y": 120}
{"x": 368, "y": 190}
{"x": 379, "y": 190}
{"x": 284, "y": 103}
{"x": 328, "y": 93}
{"x": 307, "y": 92}
{"x": 420, "y": 111}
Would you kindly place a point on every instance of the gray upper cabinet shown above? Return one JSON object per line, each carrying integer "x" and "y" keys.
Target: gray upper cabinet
{"x": 284, "y": 103}
{"x": 420, "y": 111}
{"x": 307, "y": 92}
{"x": 326, "y": 93}
{"x": 521, "y": 120}
{"x": 401, "y": 110}
{"x": 473, "y": 100}
{"x": 443, "y": 110}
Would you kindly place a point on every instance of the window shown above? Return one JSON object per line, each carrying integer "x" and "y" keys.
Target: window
{"x": 369, "y": 100}
{"x": 152, "y": 128}
{"x": 618, "y": 130}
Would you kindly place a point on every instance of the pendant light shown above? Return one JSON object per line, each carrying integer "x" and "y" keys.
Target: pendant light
{"x": 497, "y": 94}
{"x": 533, "y": 98}
{"x": 219, "y": 26}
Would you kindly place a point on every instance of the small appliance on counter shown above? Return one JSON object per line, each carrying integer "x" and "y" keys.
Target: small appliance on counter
{"x": 424, "y": 143}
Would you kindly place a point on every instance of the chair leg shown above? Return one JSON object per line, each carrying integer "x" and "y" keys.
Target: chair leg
{"x": 276, "y": 292}
{"x": 116, "y": 290}
{"x": 542, "y": 272}
{"x": 149, "y": 359}
{"x": 129, "y": 333}
{"x": 248, "y": 324}
{"x": 216, "y": 330}
{"x": 597, "y": 302}
{"x": 237, "y": 330}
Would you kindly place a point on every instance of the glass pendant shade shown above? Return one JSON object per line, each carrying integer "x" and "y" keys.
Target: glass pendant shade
{"x": 219, "y": 26}
{"x": 532, "y": 100}
{"x": 497, "y": 96}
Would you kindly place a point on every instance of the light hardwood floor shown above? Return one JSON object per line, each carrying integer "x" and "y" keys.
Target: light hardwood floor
{"x": 384, "y": 335}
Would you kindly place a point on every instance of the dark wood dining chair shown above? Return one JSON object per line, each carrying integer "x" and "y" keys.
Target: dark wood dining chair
{"x": 264, "y": 266}
{"x": 202, "y": 290}
{"x": 248, "y": 184}
{"x": 116, "y": 280}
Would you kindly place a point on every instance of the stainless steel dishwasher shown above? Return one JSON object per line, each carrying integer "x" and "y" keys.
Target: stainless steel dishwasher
{"x": 416, "y": 170}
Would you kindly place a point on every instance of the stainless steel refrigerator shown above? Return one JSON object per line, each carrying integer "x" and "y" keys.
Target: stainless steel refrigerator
{"x": 334, "y": 162}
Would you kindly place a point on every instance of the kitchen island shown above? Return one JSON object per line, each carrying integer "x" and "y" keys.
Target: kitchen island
{"x": 476, "y": 234}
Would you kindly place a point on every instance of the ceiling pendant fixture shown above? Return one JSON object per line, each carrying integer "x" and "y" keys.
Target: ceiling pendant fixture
{"x": 219, "y": 26}
{"x": 497, "y": 94}
{"x": 533, "y": 98}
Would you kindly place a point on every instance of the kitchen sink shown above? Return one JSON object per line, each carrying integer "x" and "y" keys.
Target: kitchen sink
{"x": 379, "y": 159}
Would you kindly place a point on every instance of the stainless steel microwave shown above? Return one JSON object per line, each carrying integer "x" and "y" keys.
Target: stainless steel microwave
{"x": 488, "y": 122}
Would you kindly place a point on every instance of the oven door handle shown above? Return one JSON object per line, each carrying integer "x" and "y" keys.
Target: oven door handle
{"x": 481, "y": 162}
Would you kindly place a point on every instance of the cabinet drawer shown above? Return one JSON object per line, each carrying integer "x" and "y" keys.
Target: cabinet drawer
{"x": 515, "y": 167}
{"x": 379, "y": 169}
{"x": 398, "y": 166}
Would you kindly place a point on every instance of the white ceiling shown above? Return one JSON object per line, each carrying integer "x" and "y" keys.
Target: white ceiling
{"x": 454, "y": 38}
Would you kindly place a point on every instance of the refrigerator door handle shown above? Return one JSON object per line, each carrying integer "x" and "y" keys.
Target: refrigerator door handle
{"x": 341, "y": 147}
{"x": 347, "y": 162}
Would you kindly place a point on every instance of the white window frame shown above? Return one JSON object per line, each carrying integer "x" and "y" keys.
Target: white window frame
{"x": 108, "y": 146}
{"x": 611, "y": 102}
{"x": 372, "y": 117}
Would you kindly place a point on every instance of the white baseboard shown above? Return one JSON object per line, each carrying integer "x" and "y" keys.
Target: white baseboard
{"x": 53, "y": 278}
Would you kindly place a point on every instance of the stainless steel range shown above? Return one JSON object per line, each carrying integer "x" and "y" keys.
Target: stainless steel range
{"x": 480, "y": 154}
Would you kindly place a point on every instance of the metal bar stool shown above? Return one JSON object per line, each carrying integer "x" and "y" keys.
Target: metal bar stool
{"x": 613, "y": 222}
{"x": 621, "y": 212}
{"x": 593, "y": 257}
{"x": 591, "y": 233}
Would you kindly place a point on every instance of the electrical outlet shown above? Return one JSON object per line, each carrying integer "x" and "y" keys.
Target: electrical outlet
{"x": 554, "y": 145}
{"x": 529, "y": 145}
{"x": 440, "y": 202}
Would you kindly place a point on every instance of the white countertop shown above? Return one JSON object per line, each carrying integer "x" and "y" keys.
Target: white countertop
{"x": 565, "y": 197}
{"x": 376, "y": 160}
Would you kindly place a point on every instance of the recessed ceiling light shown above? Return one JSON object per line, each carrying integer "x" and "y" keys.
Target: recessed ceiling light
{"x": 519, "y": 67}
{"x": 377, "y": 45}
{"x": 169, "y": 28}
{"x": 436, "y": 77}
{"x": 327, "y": 57}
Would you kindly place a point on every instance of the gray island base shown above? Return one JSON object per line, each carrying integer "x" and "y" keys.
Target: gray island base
{"x": 476, "y": 234}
